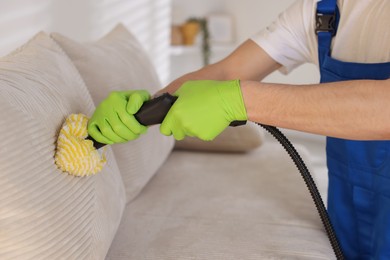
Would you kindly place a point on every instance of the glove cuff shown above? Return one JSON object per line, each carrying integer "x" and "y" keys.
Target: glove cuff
{"x": 232, "y": 95}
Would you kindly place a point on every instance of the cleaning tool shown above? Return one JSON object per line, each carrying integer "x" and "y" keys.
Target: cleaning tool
{"x": 77, "y": 153}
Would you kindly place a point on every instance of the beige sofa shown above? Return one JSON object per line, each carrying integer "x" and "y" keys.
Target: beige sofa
{"x": 238, "y": 197}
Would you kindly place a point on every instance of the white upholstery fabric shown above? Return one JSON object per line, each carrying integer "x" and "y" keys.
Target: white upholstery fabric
{"x": 118, "y": 62}
{"x": 223, "y": 206}
{"x": 45, "y": 213}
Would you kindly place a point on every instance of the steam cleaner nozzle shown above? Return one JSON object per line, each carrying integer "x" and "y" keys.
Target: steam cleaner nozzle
{"x": 77, "y": 153}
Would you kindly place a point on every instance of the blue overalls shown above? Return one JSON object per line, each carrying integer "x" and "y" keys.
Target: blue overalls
{"x": 359, "y": 171}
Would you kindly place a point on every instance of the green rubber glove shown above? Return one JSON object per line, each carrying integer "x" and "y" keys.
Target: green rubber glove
{"x": 204, "y": 109}
{"x": 113, "y": 120}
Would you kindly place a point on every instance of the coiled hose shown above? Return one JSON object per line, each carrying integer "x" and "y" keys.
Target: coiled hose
{"x": 275, "y": 132}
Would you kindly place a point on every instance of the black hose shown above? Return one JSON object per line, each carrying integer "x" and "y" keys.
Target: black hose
{"x": 311, "y": 186}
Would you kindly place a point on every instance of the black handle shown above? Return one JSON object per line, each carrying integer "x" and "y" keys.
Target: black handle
{"x": 154, "y": 111}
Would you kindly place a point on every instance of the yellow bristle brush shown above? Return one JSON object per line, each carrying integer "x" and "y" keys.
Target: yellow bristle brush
{"x": 75, "y": 154}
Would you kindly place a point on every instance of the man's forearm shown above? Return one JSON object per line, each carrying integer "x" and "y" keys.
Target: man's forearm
{"x": 358, "y": 110}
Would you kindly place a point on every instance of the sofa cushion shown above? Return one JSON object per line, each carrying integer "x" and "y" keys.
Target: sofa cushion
{"x": 224, "y": 206}
{"x": 45, "y": 213}
{"x": 118, "y": 62}
{"x": 232, "y": 139}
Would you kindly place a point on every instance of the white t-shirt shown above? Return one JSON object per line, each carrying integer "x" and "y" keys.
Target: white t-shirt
{"x": 363, "y": 33}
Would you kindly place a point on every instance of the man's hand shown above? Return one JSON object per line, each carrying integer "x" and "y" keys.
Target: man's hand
{"x": 204, "y": 109}
{"x": 114, "y": 121}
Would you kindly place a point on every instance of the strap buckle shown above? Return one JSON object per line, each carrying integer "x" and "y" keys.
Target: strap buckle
{"x": 326, "y": 23}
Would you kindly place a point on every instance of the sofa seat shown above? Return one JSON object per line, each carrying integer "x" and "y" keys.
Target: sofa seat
{"x": 223, "y": 206}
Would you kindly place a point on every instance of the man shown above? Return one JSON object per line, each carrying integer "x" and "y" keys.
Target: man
{"x": 350, "y": 42}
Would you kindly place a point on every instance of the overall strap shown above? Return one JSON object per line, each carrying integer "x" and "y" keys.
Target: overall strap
{"x": 327, "y": 17}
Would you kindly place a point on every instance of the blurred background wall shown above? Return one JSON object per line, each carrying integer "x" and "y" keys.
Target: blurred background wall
{"x": 150, "y": 21}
